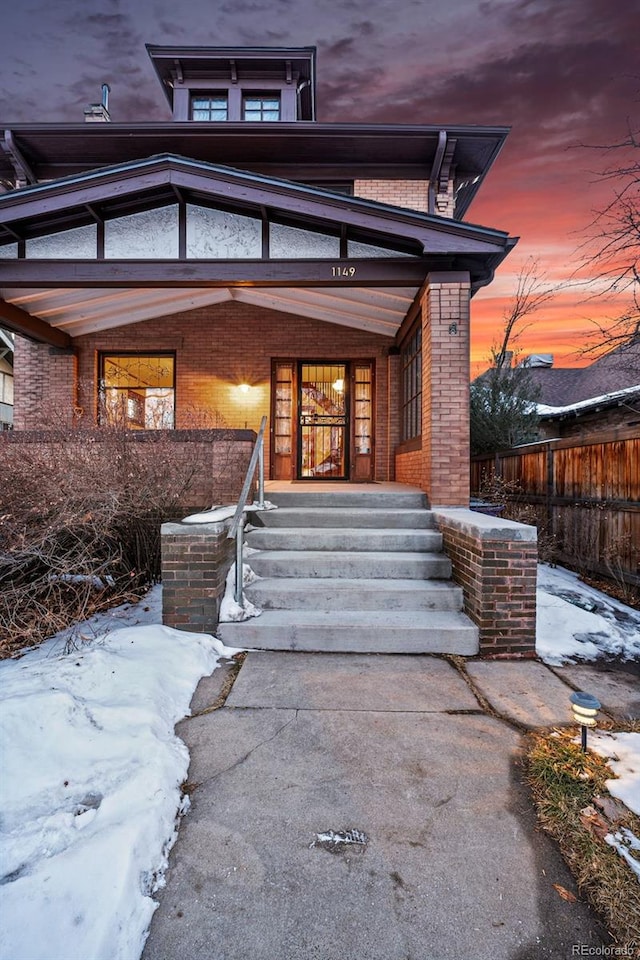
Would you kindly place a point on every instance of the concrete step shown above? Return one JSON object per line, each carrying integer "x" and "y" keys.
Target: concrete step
{"x": 329, "y": 538}
{"x": 350, "y": 564}
{"x": 343, "y": 497}
{"x": 301, "y": 593}
{"x": 352, "y": 631}
{"x": 375, "y": 517}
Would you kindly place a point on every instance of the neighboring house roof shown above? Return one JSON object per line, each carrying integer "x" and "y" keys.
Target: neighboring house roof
{"x": 614, "y": 399}
{"x": 616, "y": 370}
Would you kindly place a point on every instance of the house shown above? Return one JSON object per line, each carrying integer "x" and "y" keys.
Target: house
{"x": 244, "y": 259}
{"x": 579, "y": 402}
{"x": 6, "y": 380}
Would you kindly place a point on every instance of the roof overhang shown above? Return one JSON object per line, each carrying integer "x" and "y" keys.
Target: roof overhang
{"x": 302, "y": 151}
{"x": 55, "y": 300}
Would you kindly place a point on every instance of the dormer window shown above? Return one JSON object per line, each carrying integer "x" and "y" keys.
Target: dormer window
{"x": 210, "y": 107}
{"x": 261, "y": 106}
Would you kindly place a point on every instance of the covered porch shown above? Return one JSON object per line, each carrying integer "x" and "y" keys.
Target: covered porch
{"x": 180, "y": 294}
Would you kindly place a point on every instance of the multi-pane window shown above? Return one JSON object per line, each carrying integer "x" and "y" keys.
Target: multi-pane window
{"x": 210, "y": 106}
{"x": 411, "y": 359}
{"x": 137, "y": 391}
{"x": 261, "y": 106}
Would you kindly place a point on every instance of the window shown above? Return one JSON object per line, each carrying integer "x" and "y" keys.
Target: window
{"x": 137, "y": 391}
{"x": 411, "y": 363}
{"x": 261, "y": 106}
{"x": 210, "y": 106}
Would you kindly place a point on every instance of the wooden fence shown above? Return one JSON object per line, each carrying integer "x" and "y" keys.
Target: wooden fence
{"x": 584, "y": 494}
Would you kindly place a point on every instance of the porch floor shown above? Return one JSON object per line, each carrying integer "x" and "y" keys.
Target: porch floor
{"x": 337, "y": 486}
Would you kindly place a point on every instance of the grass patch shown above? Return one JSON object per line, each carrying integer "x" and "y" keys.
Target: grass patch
{"x": 564, "y": 781}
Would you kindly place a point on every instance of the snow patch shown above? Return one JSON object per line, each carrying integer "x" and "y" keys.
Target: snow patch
{"x": 577, "y": 622}
{"x": 90, "y": 793}
{"x": 230, "y": 610}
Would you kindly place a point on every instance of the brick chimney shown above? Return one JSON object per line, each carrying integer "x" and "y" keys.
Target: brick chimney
{"x": 99, "y": 112}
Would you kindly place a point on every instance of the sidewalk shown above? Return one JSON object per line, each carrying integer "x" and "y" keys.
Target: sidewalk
{"x": 401, "y": 750}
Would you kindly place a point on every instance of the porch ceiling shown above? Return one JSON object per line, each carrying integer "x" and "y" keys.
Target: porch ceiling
{"x": 78, "y": 311}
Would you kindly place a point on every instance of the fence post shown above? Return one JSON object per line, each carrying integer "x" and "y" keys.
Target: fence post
{"x": 550, "y": 490}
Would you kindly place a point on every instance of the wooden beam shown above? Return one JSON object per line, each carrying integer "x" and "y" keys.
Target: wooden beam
{"x": 23, "y": 171}
{"x": 219, "y": 273}
{"x": 31, "y": 327}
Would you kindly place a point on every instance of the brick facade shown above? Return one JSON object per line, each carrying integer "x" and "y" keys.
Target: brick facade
{"x": 216, "y": 348}
{"x": 221, "y": 346}
{"x": 495, "y": 562}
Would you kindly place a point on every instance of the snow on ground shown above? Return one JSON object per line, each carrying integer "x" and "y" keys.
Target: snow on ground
{"x": 90, "y": 795}
{"x": 576, "y": 622}
{"x": 622, "y": 751}
{"x": 90, "y": 792}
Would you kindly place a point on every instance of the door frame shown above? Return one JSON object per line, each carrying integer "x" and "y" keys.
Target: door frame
{"x": 359, "y": 467}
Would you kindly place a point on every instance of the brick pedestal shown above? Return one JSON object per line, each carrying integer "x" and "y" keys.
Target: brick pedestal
{"x": 495, "y": 562}
{"x": 195, "y": 561}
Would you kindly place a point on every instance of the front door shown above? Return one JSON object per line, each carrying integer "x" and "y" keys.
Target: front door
{"x": 322, "y": 420}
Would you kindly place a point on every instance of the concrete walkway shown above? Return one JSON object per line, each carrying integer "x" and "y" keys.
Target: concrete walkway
{"x": 416, "y": 761}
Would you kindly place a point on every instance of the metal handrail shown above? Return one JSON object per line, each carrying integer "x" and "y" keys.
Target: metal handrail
{"x": 236, "y": 530}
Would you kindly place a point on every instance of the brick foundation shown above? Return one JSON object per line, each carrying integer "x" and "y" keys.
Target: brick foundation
{"x": 495, "y": 562}
{"x": 195, "y": 561}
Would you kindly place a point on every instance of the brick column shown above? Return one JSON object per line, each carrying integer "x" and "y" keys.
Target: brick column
{"x": 45, "y": 386}
{"x": 445, "y": 389}
{"x": 195, "y": 561}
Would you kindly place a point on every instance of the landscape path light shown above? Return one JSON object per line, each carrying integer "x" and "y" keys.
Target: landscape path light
{"x": 585, "y": 709}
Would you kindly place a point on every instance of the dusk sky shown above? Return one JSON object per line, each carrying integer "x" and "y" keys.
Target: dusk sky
{"x": 561, "y": 73}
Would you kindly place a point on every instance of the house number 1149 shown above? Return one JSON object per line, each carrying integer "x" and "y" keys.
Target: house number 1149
{"x": 343, "y": 271}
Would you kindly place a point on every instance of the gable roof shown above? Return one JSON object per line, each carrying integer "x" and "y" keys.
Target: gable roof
{"x": 397, "y": 248}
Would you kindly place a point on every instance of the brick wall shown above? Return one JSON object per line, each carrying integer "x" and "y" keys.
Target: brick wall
{"x": 409, "y": 467}
{"x": 44, "y": 385}
{"x": 214, "y": 461}
{"x": 413, "y": 194}
{"x": 495, "y": 562}
{"x": 195, "y": 561}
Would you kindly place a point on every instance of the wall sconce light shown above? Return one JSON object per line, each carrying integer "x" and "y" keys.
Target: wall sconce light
{"x": 338, "y": 385}
{"x": 244, "y": 387}
{"x": 585, "y": 709}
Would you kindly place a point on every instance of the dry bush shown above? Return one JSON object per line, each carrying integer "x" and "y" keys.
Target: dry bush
{"x": 510, "y": 495}
{"x": 80, "y": 516}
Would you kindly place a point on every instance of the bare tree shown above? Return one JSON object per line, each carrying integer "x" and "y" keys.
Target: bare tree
{"x": 532, "y": 292}
{"x": 503, "y": 399}
{"x": 611, "y": 251}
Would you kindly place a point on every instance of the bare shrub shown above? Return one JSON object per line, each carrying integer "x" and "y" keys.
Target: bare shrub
{"x": 510, "y": 495}
{"x": 80, "y": 515}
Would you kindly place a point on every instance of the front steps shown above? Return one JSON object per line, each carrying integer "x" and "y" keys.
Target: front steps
{"x": 351, "y": 572}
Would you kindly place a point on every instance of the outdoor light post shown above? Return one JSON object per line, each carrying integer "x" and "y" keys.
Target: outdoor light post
{"x": 585, "y": 708}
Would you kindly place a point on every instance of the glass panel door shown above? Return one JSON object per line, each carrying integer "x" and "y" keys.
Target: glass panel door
{"x": 362, "y": 465}
{"x": 323, "y": 421}
{"x": 282, "y": 420}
